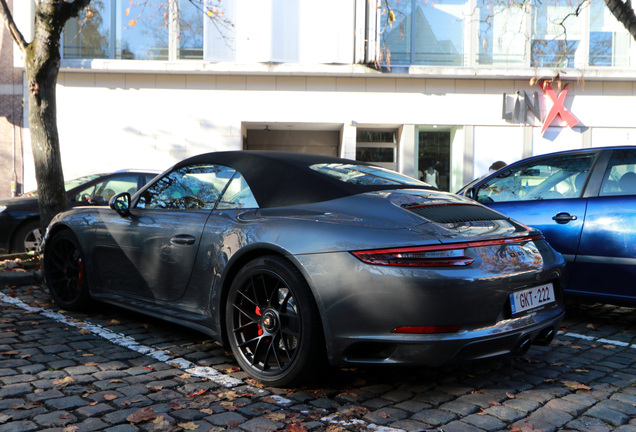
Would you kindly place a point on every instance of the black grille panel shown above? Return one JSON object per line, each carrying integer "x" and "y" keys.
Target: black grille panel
{"x": 457, "y": 213}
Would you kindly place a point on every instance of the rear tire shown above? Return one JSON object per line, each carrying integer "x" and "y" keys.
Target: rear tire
{"x": 27, "y": 238}
{"x": 65, "y": 273}
{"x": 273, "y": 323}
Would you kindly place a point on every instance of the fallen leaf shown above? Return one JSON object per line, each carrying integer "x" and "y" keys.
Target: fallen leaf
{"x": 161, "y": 425}
{"x": 276, "y": 416}
{"x": 197, "y": 392}
{"x": 229, "y": 395}
{"x": 64, "y": 381}
{"x": 113, "y": 322}
{"x": 110, "y": 396}
{"x": 188, "y": 426}
{"x": 576, "y": 386}
{"x": 142, "y": 415}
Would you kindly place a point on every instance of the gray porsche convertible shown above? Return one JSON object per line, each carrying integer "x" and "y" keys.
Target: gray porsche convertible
{"x": 295, "y": 261}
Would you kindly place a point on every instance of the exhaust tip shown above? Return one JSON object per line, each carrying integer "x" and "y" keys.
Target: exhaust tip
{"x": 523, "y": 347}
{"x": 545, "y": 337}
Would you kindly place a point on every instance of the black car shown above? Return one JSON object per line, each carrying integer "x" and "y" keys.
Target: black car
{"x": 20, "y": 217}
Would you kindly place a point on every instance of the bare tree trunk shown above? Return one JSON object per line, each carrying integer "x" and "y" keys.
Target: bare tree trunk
{"x": 42, "y": 64}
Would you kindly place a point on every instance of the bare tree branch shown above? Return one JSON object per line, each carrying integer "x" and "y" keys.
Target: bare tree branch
{"x": 624, "y": 13}
{"x": 7, "y": 17}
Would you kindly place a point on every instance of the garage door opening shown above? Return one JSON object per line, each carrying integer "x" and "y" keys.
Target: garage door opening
{"x": 314, "y": 139}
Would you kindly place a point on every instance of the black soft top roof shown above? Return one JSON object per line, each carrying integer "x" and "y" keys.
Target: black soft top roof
{"x": 283, "y": 179}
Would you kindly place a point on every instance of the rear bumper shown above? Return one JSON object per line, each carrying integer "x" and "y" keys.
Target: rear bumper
{"x": 361, "y": 305}
{"x": 508, "y": 337}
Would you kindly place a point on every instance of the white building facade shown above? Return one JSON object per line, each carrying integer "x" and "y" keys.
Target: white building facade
{"x": 451, "y": 85}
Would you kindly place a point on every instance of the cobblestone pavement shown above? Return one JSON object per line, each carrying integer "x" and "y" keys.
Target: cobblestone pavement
{"x": 114, "y": 370}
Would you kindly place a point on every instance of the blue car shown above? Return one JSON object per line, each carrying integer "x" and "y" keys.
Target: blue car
{"x": 584, "y": 202}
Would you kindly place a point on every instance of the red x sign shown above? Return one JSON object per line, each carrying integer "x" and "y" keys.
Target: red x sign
{"x": 558, "y": 108}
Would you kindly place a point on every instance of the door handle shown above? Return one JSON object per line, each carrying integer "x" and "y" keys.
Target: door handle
{"x": 182, "y": 239}
{"x": 563, "y": 218}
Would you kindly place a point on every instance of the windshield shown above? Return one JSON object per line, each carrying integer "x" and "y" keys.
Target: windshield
{"x": 365, "y": 175}
{"x": 70, "y": 184}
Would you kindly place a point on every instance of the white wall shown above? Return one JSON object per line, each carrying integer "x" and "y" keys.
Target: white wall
{"x": 110, "y": 121}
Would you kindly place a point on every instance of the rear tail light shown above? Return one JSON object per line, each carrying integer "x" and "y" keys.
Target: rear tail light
{"x": 432, "y": 256}
{"x": 423, "y": 256}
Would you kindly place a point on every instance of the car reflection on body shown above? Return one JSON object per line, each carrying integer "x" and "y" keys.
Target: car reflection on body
{"x": 20, "y": 217}
{"x": 584, "y": 203}
{"x": 295, "y": 259}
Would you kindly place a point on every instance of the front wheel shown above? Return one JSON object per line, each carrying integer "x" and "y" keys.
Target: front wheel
{"x": 65, "y": 273}
{"x": 273, "y": 323}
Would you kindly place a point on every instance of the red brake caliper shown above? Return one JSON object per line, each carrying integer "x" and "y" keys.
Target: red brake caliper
{"x": 80, "y": 276}
{"x": 258, "y": 312}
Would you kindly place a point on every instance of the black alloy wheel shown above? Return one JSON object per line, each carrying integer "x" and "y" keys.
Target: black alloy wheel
{"x": 64, "y": 272}
{"x": 273, "y": 323}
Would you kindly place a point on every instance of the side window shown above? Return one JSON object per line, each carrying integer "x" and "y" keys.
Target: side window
{"x": 188, "y": 188}
{"x": 549, "y": 178}
{"x": 238, "y": 195}
{"x": 620, "y": 175}
{"x": 100, "y": 193}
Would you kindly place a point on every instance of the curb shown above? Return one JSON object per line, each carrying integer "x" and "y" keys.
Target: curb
{"x": 19, "y": 278}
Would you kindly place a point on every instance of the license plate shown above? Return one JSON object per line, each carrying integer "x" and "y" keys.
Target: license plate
{"x": 532, "y": 298}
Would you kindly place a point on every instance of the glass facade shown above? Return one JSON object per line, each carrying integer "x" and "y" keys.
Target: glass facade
{"x": 531, "y": 33}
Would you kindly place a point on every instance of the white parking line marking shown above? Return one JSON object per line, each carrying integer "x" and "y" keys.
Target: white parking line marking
{"x": 599, "y": 340}
{"x": 208, "y": 373}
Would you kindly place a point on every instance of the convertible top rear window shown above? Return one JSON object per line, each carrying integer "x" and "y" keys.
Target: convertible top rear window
{"x": 365, "y": 175}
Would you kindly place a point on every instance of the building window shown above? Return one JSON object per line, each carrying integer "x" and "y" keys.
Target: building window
{"x": 610, "y": 42}
{"x": 191, "y": 19}
{"x": 501, "y": 40}
{"x": 555, "y": 39}
{"x": 89, "y": 35}
{"x": 377, "y": 147}
{"x": 142, "y": 30}
{"x": 425, "y": 33}
{"x": 514, "y": 33}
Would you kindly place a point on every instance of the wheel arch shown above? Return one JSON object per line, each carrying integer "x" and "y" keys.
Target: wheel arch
{"x": 234, "y": 266}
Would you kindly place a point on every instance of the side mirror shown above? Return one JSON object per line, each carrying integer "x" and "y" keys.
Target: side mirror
{"x": 121, "y": 204}
{"x": 470, "y": 193}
